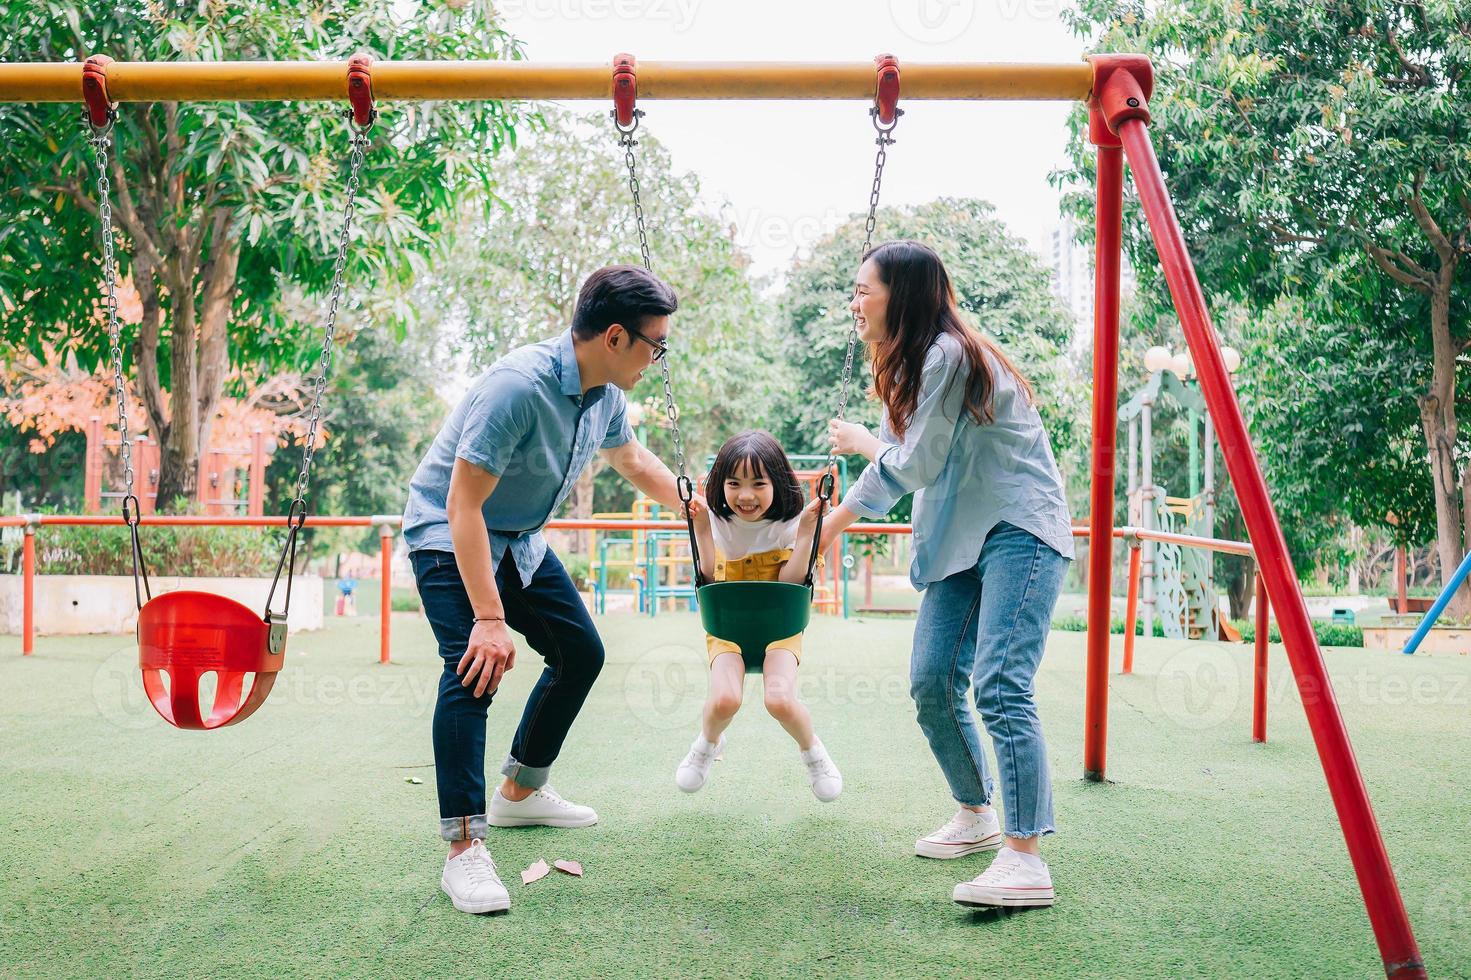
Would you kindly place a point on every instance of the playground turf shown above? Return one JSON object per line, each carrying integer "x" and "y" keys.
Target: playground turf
{"x": 294, "y": 845}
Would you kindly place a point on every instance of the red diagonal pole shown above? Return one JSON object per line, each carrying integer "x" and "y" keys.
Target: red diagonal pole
{"x": 1122, "y": 85}
{"x": 1109, "y": 216}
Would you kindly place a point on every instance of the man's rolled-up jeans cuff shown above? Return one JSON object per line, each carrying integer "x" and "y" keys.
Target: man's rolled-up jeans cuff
{"x": 463, "y": 828}
{"x": 532, "y": 777}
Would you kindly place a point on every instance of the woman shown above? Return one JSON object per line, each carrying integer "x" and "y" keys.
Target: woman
{"x": 992, "y": 540}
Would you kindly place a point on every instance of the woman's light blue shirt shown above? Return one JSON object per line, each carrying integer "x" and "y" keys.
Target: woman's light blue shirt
{"x": 966, "y": 477}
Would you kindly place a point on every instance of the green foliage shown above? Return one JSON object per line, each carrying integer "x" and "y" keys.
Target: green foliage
{"x": 566, "y": 211}
{"x": 168, "y": 550}
{"x": 1312, "y": 152}
{"x": 404, "y": 601}
{"x": 380, "y": 414}
{"x": 1073, "y": 623}
{"x": 1000, "y": 285}
{"x": 240, "y": 202}
{"x": 1328, "y": 634}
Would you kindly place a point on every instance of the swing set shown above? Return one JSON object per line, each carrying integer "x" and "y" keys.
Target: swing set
{"x": 190, "y": 633}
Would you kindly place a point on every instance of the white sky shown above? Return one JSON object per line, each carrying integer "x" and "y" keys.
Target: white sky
{"x": 790, "y": 171}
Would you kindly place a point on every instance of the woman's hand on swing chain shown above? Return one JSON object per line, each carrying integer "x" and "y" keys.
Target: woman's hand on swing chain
{"x": 850, "y": 437}
{"x": 490, "y": 654}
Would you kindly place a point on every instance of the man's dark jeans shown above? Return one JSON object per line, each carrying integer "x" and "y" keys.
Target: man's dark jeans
{"x": 551, "y": 615}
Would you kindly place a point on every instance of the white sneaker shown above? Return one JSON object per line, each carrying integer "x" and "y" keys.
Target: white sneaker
{"x": 471, "y": 882}
{"x": 695, "y": 767}
{"x": 543, "y": 808}
{"x": 1012, "y": 881}
{"x": 826, "y": 781}
{"x": 968, "y": 832}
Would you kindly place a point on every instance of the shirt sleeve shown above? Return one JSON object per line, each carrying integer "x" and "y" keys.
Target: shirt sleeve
{"x": 916, "y": 461}
{"x": 619, "y": 431}
{"x": 499, "y": 417}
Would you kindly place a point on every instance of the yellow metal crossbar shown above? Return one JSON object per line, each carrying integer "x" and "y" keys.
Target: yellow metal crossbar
{"x": 246, "y": 81}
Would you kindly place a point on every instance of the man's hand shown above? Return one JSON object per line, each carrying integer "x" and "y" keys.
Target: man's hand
{"x": 700, "y": 511}
{"x": 807, "y": 524}
{"x": 490, "y": 654}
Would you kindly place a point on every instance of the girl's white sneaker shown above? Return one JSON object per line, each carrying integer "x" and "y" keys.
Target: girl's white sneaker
{"x": 968, "y": 832}
{"x": 1012, "y": 881}
{"x": 471, "y": 882}
{"x": 694, "y": 769}
{"x": 826, "y": 781}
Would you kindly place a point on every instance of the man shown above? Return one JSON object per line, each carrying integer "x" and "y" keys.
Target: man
{"x": 500, "y": 467}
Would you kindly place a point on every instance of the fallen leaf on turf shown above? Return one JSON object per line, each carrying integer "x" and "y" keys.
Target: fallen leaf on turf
{"x": 536, "y": 872}
{"x": 571, "y": 867}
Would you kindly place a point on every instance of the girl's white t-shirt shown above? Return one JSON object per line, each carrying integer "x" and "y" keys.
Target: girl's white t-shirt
{"x": 735, "y": 538}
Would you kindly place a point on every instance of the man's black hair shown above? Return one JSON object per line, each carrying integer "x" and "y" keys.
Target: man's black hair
{"x": 623, "y": 294}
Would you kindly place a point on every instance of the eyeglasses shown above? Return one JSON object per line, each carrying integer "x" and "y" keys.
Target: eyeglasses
{"x": 660, "y": 348}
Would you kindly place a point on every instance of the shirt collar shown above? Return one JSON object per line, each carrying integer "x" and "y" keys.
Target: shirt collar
{"x": 567, "y": 365}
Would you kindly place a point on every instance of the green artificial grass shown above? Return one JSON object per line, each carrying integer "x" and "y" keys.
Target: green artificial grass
{"x": 293, "y": 845}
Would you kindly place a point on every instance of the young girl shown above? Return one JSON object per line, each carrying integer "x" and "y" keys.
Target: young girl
{"x": 755, "y": 527}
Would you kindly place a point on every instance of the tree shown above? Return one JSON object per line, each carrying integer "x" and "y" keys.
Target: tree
{"x": 1001, "y": 285}
{"x": 565, "y": 211}
{"x": 1316, "y": 154}
{"x": 379, "y": 414}
{"x": 219, "y": 208}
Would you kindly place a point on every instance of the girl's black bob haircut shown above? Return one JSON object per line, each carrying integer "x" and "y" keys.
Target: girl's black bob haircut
{"x": 759, "y": 450}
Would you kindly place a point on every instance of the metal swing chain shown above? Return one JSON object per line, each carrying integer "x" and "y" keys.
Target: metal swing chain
{"x": 671, "y": 410}
{"x": 296, "y": 516}
{"x": 100, "y": 139}
{"x": 826, "y": 485}
{"x": 881, "y": 157}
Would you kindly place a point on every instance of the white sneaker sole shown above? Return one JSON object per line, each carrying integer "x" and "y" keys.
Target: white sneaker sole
{"x": 688, "y": 789}
{"x": 969, "y": 895}
{"x": 499, "y": 820}
{"x": 476, "y": 908}
{"x": 944, "y": 852}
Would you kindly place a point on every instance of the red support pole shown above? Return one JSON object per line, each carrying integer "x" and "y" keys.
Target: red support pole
{"x": 385, "y": 609}
{"x": 1124, "y": 88}
{"x": 1259, "y": 667}
{"x": 1107, "y": 267}
{"x": 95, "y": 456}
{"x": 1401, "y": 577}
{"x": 255, "y": 497}
{"x": 28, "y": 592}
{"x": 1131, "y": 609}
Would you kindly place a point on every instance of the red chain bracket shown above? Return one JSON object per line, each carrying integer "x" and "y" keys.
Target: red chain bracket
{"x": 886, "y": 88}
{"x": 360, "y": 88}
{"x": 625, "y": 88}
{"x": 94, "y": 89}
{"x": 1122, "y": 85}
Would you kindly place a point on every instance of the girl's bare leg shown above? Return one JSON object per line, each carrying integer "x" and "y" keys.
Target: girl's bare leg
{"x": 780, "y": 679}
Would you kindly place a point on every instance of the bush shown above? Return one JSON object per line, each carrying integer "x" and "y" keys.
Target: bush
{"x": 167, "y": 550}
{"x": 404, "y": 601}
{"x": 1329, "y": 634}
{"x": 1079, "y": 624}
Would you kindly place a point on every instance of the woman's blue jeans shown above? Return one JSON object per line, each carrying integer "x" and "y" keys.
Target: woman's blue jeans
{"x": 983, "y": 630}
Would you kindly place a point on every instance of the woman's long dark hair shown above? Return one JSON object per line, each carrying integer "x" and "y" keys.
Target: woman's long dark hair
{"x": 759, "y": 450}
{"x": 921, "y": 307}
